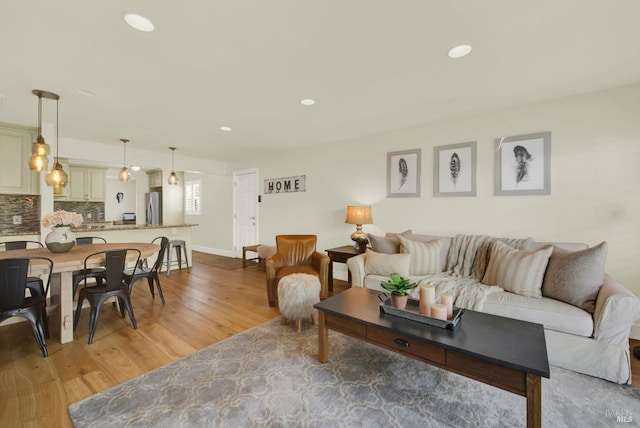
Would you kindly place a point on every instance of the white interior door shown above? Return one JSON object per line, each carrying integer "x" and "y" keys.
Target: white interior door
{"x": 245, "y": 191}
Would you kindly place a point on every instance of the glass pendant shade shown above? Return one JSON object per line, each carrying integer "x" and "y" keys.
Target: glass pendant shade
{"x": 57, "y": 177}
{"x": 39, "y": 160}
{"x": 173, "y": 178}
{"x": 124, "y": 174}
{"x": 39, "y": 147}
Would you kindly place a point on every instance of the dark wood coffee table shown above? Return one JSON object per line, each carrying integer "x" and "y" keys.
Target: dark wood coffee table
{"x": 506, "y": 353}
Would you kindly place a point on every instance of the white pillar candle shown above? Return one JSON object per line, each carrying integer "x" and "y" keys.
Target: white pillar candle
{"x": 439, "y": 311}
{"x": 427, "y": 298}
{"x": 447, "y": 300}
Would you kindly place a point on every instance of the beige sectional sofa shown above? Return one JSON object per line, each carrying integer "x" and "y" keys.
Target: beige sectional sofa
{"x": 587, "y": 315}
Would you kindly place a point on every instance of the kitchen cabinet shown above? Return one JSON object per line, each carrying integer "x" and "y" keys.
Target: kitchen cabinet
{"x": 86, "y": 184}
{"x": 15, "y": 145}
{"x": 155, "y": 178}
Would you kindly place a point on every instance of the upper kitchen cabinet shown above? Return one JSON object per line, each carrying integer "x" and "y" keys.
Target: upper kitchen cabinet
{"x": 86, "y": 184}
{"x": 155, "y": 178}
{"x": 15, "y": 147}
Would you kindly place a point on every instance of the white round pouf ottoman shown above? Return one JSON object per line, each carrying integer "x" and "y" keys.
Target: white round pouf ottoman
{"x": 297, "y": 293}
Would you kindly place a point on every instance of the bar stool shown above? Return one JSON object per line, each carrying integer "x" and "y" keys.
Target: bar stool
{"x": 179, "y": 245}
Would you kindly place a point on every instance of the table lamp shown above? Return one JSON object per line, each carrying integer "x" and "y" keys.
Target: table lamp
{"x": 358, "y": 216}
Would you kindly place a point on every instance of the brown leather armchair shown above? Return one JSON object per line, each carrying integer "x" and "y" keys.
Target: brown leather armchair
{"x": 296, "y": 254}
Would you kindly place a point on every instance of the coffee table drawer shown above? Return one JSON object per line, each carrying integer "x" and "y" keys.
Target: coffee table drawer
{"x": 345, "y": 325}
{"x": 493, "y": 374}
{"x": 406, "y": 344}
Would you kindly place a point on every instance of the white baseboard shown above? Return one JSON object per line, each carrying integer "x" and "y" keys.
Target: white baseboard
{"x": 341, "y": 275}
{"x": 635, "y": 331}
{"x": 215, "y": 251}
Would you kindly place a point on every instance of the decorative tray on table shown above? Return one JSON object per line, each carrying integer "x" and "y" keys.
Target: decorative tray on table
{"x": 412, "y": 312}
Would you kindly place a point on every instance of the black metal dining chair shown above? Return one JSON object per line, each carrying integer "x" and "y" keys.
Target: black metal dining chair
{"x": 115, "y": 286}
{"x": 35, "y": 285}
{"x": 96, "y": 273}
{"x": 151, "y": 274}
{"x": 21, "y": 245}
{"x": 14, "y": 301}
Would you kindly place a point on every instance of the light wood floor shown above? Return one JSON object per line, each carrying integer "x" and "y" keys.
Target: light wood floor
{"x": 203, "y": 307}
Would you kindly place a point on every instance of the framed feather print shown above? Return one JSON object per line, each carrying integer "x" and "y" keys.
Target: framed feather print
{"x": 523, "y": 165}
{"x": 403, "y": 174}
{"x": 454, "y": 170}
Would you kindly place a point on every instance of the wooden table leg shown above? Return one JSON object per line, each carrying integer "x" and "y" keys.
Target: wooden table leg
{"x": 323, "y": 339}
{"x": 534, "y": 401}
{"x": 61, "y": 296}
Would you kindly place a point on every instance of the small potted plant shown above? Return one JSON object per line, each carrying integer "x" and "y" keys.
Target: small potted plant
{"x": 361, "y": 245}
{"x": 400, "y": 288}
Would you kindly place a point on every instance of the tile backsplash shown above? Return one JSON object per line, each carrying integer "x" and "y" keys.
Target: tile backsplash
{"x": 27, "y": 207}
{"x": 96, "y": 209}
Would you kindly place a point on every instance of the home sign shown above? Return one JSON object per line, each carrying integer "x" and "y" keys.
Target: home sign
{"x": 285, "y": 184}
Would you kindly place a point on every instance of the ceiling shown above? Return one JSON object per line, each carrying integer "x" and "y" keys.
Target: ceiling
{"x": 371, "y": 65}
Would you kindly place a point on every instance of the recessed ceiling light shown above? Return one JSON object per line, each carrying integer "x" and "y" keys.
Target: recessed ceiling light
{"x": 135, "y": 168}
{"x": 85, "y": 92}
{"x": 459, "y": 51}
{"x": 225, "y": 128}
{"x": 307, "y": 102}
{"x": 138, "y": 22}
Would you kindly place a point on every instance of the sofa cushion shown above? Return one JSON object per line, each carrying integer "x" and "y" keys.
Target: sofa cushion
{"x": 425, "y": 256}
{"x": 518, "y": 271}
{"x": 388, "y": 244}
{"x": 553, "y": 314}
{"x": 445, "y": 241}
{"x": 575, "y": 277}
{"x": 386, "y": 264}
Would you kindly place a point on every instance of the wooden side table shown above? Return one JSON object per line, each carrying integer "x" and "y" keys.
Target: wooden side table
{"x": 340, "y": 255}
{"x": 251, "y": 248}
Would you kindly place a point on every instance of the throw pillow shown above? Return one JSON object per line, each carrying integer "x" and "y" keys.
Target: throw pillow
{"x": 517, "y": 271}
{"x": 575, "y": 277}
{"x": 425, "y": 256}
{"x": 388, "y": 244}
{"x": 386, "y": 264}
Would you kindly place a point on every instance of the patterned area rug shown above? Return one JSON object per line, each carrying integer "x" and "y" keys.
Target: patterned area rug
{"x": 269, "y": 376}
{"x": 222, "y": 262}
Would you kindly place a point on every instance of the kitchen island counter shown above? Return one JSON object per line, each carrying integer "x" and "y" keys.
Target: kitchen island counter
{"x": 114, "y": 233}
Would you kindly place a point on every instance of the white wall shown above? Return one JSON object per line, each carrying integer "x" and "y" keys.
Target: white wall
{"x": 112, "y": 209}
{"x": 214, "y": 233}
{"x": 173, "y": 200}
{"x": 595, "y": 178}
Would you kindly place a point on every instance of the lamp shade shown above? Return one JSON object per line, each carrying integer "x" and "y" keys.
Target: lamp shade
{"x": 358, "y": 215}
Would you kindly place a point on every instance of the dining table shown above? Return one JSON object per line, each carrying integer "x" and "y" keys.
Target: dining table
{"x": 64, "y": 264}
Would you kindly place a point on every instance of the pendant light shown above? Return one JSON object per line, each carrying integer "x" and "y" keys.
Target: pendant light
{"x": 39, "y": 149}
{"x": 173, "y": 178}
{"x": 124, "y": 172}
{"x": 56, "y": 177}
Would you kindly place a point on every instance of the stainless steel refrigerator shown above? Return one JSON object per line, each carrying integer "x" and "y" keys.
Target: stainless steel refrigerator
{"x": 153, "y": 204}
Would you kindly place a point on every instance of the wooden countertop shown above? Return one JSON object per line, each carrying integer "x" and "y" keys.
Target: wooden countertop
{"x": 107, "y": 227}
